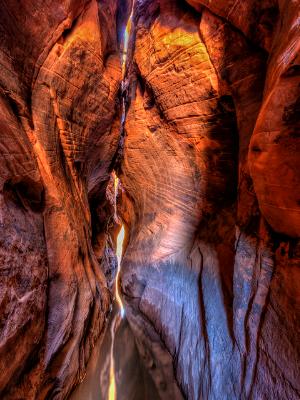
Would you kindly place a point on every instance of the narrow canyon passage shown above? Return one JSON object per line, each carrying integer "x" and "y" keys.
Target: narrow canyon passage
{"x": 149, "y": 200}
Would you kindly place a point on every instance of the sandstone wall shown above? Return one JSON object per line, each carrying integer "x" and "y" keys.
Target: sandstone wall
{"x": 210, "y": 193}
{"x": 59, "y": 80}
{"x": 210, "y": 176}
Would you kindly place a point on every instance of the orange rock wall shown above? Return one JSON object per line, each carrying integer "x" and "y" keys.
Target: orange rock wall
{"x": 59, "y": 79}
{"x": 210, "y": 193}
{"x": 210, "y": 197}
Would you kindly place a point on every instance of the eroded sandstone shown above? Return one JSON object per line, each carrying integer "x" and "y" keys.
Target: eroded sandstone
{"x": 60, "y": 75}
{"x": 205, "y": 199}
{"x": 209, "y": 166}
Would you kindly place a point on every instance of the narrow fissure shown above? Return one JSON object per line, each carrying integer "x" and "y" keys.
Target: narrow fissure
{"x": 112, "y": 390}
{"x": 149, "y": 200}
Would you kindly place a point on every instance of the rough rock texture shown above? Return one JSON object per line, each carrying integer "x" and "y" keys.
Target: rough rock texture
{"x": 275, "y": 139}
{"x": 256, "y": 19}
{"x": 59, "y": 78}
{"x": 210, "y": 198}
{"x": 210, "y": 194}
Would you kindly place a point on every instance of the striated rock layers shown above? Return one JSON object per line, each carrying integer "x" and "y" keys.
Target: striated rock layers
{"x": 210, "y": 193}
{"x": 211, "y": 197}
{"x": 59, "y": 78}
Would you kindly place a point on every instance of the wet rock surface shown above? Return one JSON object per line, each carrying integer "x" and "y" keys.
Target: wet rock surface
{"x": 132, "y": 378}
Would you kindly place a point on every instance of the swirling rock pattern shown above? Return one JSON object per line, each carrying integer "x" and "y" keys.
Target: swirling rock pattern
{"x": 210, "y": 160}
{"x": 209, "y": 194}
{"x": 60, "y": 75}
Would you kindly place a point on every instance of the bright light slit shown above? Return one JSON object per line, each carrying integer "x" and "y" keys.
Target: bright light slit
{"x": 112, "y": 390}
{"x": 126, "y": 41}
{"x": 120, "y": 243}
{"x": 116, "y": 186}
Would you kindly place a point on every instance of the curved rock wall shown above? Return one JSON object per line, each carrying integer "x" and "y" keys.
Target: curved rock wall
{"x": 210, "y": 199}
{"x": 60, "y": 75}
{"x": 211, "y": 269}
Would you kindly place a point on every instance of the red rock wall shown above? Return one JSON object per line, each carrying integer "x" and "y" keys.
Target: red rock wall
{"x": 210, "y": 200}
{"x": 210, "y": 172}
{"x": 59, "y": 80}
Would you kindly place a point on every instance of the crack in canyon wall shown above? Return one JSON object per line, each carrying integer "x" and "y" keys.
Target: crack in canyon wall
{"x": 208, "y": 156}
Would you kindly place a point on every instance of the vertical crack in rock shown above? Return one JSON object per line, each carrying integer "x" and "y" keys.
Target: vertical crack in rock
{"x": 126, "y": 40}
{"x": 200, "y": 124}
{"x": 126, "y": 53}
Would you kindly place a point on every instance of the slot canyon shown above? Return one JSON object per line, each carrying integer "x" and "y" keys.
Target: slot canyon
{"x": 150, "y": 199}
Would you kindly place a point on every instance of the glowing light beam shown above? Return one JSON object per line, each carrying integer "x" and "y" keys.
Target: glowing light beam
{"x": 119, "y": 251}
{"x": 112, "y": 390}
{"x": 127, "y": 33}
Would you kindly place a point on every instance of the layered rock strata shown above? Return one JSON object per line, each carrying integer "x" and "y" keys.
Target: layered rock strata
{"x": 210, "y": 172}
{"x": 210, "y": 194}
{"x": 60, "y": 75}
